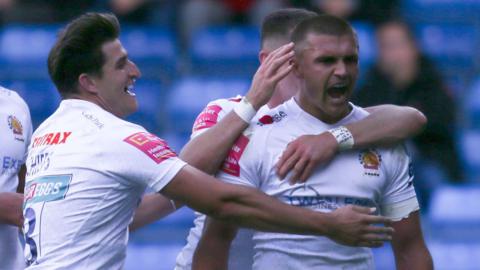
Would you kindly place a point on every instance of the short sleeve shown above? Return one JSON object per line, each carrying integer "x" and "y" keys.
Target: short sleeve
{"x": 212, "y": 114}
{"x": 399, "y": 198}
{"x": 145, "y": 159}
{"x": 241, "y": 166}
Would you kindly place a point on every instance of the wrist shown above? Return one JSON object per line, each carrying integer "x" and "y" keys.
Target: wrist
{"x": 245, "y": 110}
{"x": 343, "y": 136}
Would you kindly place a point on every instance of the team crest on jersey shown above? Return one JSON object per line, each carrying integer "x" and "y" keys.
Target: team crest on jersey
{"x": 371, "y": 160}
{"x": 16, "y": 126}
{"x": 152, "y": 146}
{"x": 270, "y": 119}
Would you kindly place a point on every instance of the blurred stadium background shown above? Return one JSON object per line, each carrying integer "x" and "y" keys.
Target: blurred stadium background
{"x": 180, "y": 75}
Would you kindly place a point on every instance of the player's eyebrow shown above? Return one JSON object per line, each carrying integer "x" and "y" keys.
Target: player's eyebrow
{"x": 121, "y": 61}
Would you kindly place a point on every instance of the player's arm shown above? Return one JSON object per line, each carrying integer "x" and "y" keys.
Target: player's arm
{"x": 408, "y": 245}
{"x": 386, "y": 125}
{"x": 11, "y": 208}
{"x": 208, "y": 150}
{"x": 152, "y": 207}
{"x": 214, "y": 246}
{"x": 248, "y": 207}
{"x": 21, "y": 179}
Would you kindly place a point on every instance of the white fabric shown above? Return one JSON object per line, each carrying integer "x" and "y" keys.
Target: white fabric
{"x": 15, "y": 131}
{"x": 241, "y": 251}
{"x": 375, "y": 178}
{"x": 87, "y": 172}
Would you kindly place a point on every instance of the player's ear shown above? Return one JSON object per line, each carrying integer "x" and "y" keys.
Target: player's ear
{"x": 262, "y": 55}
{"x": 296, "y": 67}
{"x": 87, "y": 83}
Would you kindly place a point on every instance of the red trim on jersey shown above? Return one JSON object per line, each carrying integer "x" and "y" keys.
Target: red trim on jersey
{"x": 152, "y": 146}
{"x": 207, "y": 118}
{"x": 231, "y": 165}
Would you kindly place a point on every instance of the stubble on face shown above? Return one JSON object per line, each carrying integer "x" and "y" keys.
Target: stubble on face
{"x": 328, "y": 66}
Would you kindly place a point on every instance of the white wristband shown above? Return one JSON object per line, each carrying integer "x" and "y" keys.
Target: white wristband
{"x": 343, "y": 136}
{"x": 245, "y": 110}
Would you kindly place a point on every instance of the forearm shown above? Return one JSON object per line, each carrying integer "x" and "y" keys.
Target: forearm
{"x": 207, "y": 151}
{"x": 414, "y": 257}
{"x": 242, "y": 206}
{"x": 214, "y": 246}
{"x": 151, "y": 208}
{"x": 408, "y": 245}
{"x": 11, "y": 208}
{"x": 386, "y": 125}
{"x": 21, "y": 179}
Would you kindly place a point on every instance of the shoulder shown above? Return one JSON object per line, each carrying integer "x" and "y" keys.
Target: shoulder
{"x": 14, "y": 99}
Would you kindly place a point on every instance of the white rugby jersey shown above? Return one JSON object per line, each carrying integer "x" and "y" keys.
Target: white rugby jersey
{"x": 374, "y": 178}
{"x": 15, "y": 130}
{"x": 87, "y": 170}
{"x": 241, "y": 251}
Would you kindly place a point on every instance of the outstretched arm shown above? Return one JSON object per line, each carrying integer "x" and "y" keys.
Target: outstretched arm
{"x": 249, "y": 207}
{"x": 386, "y": 125}
{"x": 408, "y": 245}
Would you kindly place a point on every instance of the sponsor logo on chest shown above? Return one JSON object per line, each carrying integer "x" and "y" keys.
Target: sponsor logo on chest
{"x": 47, "y": 188}
{"x": 53, "y": 138}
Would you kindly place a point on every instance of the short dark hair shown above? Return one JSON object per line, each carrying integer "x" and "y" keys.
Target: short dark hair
{"x": 78, "y": 49}
{"x": 322, "y": 24}
{"x": 280, "y": 23}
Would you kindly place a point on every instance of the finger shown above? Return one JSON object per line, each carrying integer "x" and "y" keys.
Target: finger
{"x": 307, "y": 172}
{"x": 363, "y": 210}
{"x": 376, "y": 237}
{"x": 278, "y": 62}
{"x": 380, "y": 230}
{"x": 282, "y": 73}
{"x": 288, "y": 165}
{"x": 283, "y": 159}
{"x": 372, "y": 244}
{"x": 377, "y": 219}
{"x": 297, "y": 170}
{"x": 279, "y": 51}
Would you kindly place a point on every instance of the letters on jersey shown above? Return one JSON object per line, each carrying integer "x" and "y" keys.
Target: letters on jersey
{"x": 231, "y": 165}
{"x": 51, "y": 139}
{"x": 207, "y": 118}
{"x": 154, "y": 147}
{"x": 47, "y": 188}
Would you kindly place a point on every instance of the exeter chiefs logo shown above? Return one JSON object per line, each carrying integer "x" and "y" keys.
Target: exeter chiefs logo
{"x": 371, "y": 161}
{"x": 16, "y": 127}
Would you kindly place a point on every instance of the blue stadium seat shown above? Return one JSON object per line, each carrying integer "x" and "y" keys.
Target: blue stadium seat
{"x": 190, "y": 95}
{"x": 228, "y": 50}
{"x": 452, "y": 46}
{"x": 153, "y": 49}
{"x": 150, "y": 96}
{"x": 440, "y": 10}
{"x": 24, "y": 51}
{"x": 472, "y": 106}
{"x": 469, "y": 141}
{"x": 41, "y": 96}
